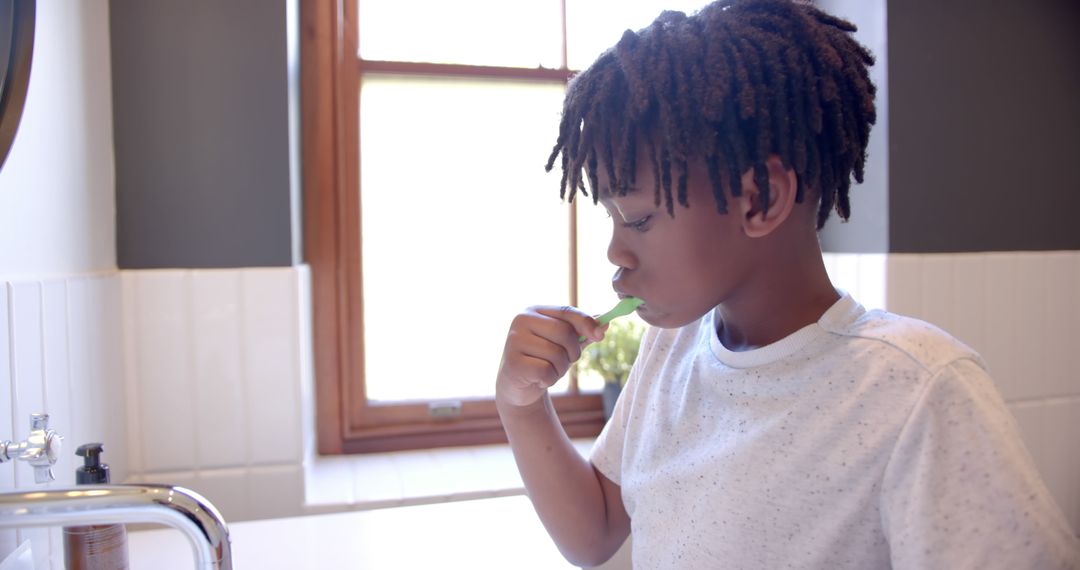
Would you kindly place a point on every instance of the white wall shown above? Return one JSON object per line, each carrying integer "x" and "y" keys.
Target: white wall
{"x": 60, "y": 353}
{"x": 59, "y": 292}
{"x": 57, "y": 204}
{"x": 218, "y": 383}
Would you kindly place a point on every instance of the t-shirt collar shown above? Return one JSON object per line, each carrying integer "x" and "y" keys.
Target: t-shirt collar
{"x": 841, "y": 314}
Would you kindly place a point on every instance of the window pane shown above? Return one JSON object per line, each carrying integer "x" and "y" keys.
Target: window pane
{"x": 475, "y": 32}
{"x": 462, "y": 228}
{"x": 592, "y": 26}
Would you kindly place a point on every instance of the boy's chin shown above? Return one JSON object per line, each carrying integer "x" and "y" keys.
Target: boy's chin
{"x": 665, "y": 320}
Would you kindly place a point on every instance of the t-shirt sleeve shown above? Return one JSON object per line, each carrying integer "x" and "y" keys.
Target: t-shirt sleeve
{"x": 960, "y": 489}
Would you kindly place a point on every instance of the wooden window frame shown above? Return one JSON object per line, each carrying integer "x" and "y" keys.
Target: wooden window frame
{"x": 345, "y": 423}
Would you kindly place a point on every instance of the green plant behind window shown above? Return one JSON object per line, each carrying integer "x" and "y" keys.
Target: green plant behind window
{"x": 612, "y": 357}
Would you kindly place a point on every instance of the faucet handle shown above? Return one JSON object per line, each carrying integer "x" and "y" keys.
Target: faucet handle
{"x": 43, "y": 474}
{"x": 39, "y": 420}
{"x": 43, "y": 447}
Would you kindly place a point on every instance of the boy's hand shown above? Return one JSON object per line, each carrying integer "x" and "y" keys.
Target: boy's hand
{"x": 540, "y": 347}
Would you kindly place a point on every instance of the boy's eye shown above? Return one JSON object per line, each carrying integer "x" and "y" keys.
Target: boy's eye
{"x": 641, "y": 224}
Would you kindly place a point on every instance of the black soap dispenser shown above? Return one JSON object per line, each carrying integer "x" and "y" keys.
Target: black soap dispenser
{"x": 99, "y": 546}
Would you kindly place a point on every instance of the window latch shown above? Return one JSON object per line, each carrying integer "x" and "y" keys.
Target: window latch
{"x": 444, "y": 409}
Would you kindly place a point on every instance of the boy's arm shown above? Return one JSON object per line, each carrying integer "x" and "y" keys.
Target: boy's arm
{"x": 581, "y": 509}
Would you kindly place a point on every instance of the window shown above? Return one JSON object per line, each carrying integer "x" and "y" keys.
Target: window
{"x": 429, "y": 221}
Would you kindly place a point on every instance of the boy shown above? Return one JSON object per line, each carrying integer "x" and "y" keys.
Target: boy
{"x": 769, "y": 421}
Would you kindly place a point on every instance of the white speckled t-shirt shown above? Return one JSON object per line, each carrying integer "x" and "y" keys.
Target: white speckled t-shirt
{"x": 865, "y": 440}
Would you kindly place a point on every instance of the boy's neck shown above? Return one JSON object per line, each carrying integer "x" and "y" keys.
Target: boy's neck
{"x": 777, "y": 304}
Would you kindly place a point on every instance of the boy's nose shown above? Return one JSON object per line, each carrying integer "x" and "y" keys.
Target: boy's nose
{"x": 620, "y": 256}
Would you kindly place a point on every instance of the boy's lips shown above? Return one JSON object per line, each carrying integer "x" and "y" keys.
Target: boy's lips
{"x": 622, "y": 295}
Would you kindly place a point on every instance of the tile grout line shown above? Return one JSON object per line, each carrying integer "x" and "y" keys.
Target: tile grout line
{"x": 11, "y": 363}
{"x": 41, "y": 347}
{"x": 67, "y": 349}
{"x": 245, "y": 373}
{"x": 20, "y": 533}
{"x": 240, "y": 291}
{"x": 1024, "y": 403}
{"x": 134, "y": 368}
{"x": 187, "y": 278}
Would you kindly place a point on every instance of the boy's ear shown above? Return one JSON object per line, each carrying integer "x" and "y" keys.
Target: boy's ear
{"x": 758, "y": 221}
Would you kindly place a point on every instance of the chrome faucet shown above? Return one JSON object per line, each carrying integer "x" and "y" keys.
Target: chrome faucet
{"x": 40, "y": 449}
{"x": 108, "y": 504}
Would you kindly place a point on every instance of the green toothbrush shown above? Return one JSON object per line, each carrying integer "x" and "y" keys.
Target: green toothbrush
{"x": 624, "y": 307}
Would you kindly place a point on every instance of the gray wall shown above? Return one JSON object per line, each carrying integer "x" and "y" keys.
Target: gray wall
{"x": 984, "y": 114}
{"x": 205, "y": 175}
{"x": 978, "y": 128}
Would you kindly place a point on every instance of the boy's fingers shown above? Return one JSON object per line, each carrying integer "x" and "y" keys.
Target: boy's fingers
{"x": 551, "y": 352}
{"x": 584, "y": 325}
{"x": 600, "y": 336}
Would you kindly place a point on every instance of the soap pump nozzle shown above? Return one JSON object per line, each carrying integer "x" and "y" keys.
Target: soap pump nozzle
{"x": 93, "y": 471}
{"x": 95, "y": 546}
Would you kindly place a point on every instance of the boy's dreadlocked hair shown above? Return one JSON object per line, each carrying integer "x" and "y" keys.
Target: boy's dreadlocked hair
{"x": 734, "y": 83}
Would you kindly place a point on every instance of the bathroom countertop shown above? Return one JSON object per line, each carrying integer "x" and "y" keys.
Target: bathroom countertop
{"x": 501, "y": 532}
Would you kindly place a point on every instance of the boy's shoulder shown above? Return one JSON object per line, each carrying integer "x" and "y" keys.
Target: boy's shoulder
{"x": 924, "y": 344}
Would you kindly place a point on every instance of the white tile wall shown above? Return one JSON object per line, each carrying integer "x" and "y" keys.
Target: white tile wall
{"x": 221, "y": 435}
{"x": 7, "y": 424}
{"x": 166, "y": 411}
{"x": 8, "y": 538}
{"x": 862, "y": 275}
{"x": 217, "y": 384}
{"x": 27, "y": 356}
{"x": 271, "y": 321}
{"x": 189, "y": 377}
{"x": 60, "y": 354}
{"x": 1050, "y": 429}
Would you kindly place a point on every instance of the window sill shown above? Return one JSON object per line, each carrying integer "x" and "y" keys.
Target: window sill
{"x": 403, "y": 478}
